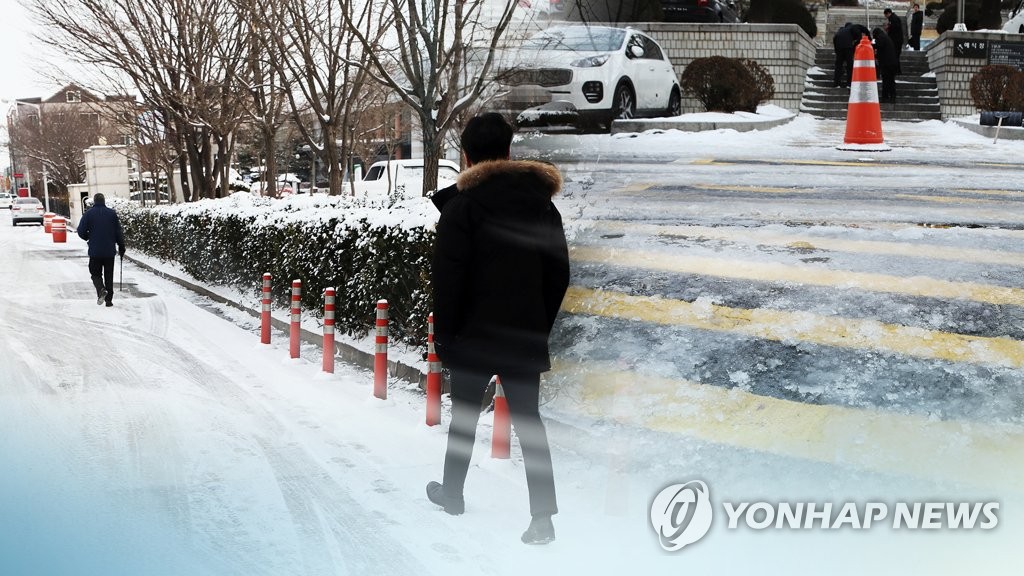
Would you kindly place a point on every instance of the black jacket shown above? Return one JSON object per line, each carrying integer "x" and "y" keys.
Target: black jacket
{"x": 101, "y": 227}
{"x": 885, "y": 52}
{"x": 895, "y": 31}
{"x": 500, "y": 267}
{"x": 916, "y": 23}
{"x": 843, "y": 40}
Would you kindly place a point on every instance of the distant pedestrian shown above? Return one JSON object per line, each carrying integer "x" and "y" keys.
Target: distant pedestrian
{"x": 894, "y": 29}
{"x": 499, "y": 273}
{"x": 101, "y": 227}
{"x": 843, "y": 44}
{"x": 885, "y": 55}
{"x": 916, "y": 25}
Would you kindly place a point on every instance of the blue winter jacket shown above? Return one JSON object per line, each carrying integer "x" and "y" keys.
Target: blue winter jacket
{"x": 101, "y": 227}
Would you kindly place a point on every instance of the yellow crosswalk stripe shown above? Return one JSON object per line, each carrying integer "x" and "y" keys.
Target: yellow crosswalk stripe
{"x": 796, "y": 326}
{"x": 983, "y": 192}
{"x": 946, "y": 199}
{"x": 811, "y": 242}
{"x": 811, "y": 275}
{"x": 979, "y": 453}
{"x": 766, "y": 189}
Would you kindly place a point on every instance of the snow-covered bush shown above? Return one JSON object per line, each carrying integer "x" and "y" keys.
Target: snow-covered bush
{"x": 365, "y": 250}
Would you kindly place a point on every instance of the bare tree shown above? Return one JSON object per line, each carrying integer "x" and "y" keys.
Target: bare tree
{"x": 318, "y": 57}
{"x": 183, "y": 58}
{"x": 434, "y": 46}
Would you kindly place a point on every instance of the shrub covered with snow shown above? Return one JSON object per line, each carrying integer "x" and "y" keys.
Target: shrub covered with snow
{"x": 364, "y": 249}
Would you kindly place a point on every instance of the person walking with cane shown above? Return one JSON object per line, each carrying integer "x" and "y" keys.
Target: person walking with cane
{"x": 101, "y": 228}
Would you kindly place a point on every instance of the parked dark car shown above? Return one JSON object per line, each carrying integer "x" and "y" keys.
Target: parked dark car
{"x": 700, "y": 11}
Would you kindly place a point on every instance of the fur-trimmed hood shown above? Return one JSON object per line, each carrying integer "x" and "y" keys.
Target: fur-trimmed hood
{"x": 536, "y": 174}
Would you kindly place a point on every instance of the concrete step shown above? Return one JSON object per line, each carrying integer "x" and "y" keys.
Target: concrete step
{"x": 917, "y": 91}
{"x": 896, "y": 115}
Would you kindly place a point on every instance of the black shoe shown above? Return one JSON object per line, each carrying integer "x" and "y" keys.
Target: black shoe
{"x": 453, "y": 506}
{"x": 101, "y": 295}
{"x": 541, "y": 531}
{"x": 110, "y": 304}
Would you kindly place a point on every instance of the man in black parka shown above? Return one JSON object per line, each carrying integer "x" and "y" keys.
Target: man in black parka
{"x": 894, "y": 29}
{"x": 101, "y": 227}
{"x": 500, "y": 271}
{"x": 843, "y": 44}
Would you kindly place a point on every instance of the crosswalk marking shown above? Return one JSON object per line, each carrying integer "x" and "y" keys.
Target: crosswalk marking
{"x": 812, "y": 275}
{"x": 795, "y": 326}
{"x": 980, "y": 453}
{"x": 758, "y": 236}
{"x": 947, "y": 199}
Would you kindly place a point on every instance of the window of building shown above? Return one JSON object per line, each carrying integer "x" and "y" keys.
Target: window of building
{"x": 74, "y": 96}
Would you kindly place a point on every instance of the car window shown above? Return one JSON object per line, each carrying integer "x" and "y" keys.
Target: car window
{"x": 634, "y": 40}
{"x": 577, "y": 39}
{"x": 651, "y": 49}
{"x": 28, "y": 201}
{"x": 374, "y": 173}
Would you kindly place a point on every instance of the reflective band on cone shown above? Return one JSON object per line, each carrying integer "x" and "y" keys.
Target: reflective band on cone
{"x": 296, "y": 318}
{"x": 59, "y": 229}
{"x": 380, "y": 357}
{"x": 863, "y": 113}
{"x": 501, "y": 441}
{"x": 329, "y": 331}
{"x": 265, "y": 311}
{"x": 433, "y": 377}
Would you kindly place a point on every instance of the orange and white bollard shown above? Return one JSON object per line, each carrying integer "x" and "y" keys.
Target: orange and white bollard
{"x": 433, "y": 377}
{"x": 329, "y": 331}
{"x": 59, "y": 228}
{"x": 48, "y": 222}
{"x": 501, "y": 440}
{"x": 265, "y": 310}
{"x": 864, "y": 113}
{"x": 380, "y": 357}
{"x": 296, "y": 318}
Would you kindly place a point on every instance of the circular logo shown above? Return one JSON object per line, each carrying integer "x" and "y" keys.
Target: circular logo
{"x": 681, "y": 514}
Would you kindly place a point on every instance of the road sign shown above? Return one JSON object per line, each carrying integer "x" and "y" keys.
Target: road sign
{"x": 19, "y": 175}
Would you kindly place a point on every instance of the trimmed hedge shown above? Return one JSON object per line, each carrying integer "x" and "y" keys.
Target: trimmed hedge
{"x": 364, "y": 252}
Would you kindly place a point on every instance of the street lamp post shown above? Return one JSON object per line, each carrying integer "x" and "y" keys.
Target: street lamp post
{"x": 46, "y": 182}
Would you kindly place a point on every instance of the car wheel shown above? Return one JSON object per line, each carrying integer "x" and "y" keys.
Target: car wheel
{"x": 623, "y": 104}
{"x": 675, "y": 103}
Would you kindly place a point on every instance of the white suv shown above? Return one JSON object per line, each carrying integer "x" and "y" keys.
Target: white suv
{"x": 6, "y": 199}
{"x": 588, "y": 75}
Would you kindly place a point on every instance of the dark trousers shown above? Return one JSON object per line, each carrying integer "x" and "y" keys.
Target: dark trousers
{"x": 888, "y": 74}
{"x": 843, "y": 68}
{"x": 915, "y": 42}
{"x": 522, "y": 392}
{"x": 104, "y": 266}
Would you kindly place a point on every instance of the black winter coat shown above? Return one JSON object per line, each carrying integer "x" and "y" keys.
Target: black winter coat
{"x": 895, "y": 31}
{"x": 843, "y": 40}
{"x": 885, "y": 52}
{"x": 500, "y": 267}
{"x": 101, "y": 227}
{"x": 916, "y": 23}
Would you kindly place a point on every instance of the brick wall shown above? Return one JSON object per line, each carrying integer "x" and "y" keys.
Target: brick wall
{"x": 953, "y": 74}
{"x": 784, "y": 49}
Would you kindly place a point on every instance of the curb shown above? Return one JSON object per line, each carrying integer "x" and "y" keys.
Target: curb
{"x": 621, "y": 126}
{"x": 347, "y": 353}
{"x": 1005, "y": 133}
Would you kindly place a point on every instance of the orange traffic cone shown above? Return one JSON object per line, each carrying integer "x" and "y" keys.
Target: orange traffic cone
{"x": 501, "y": 441}
{"x": 863, "y": 114}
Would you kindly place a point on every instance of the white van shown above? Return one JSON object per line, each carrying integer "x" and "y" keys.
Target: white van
{"x": 1015, "y": 23}
{"x": 402, "y": 176}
